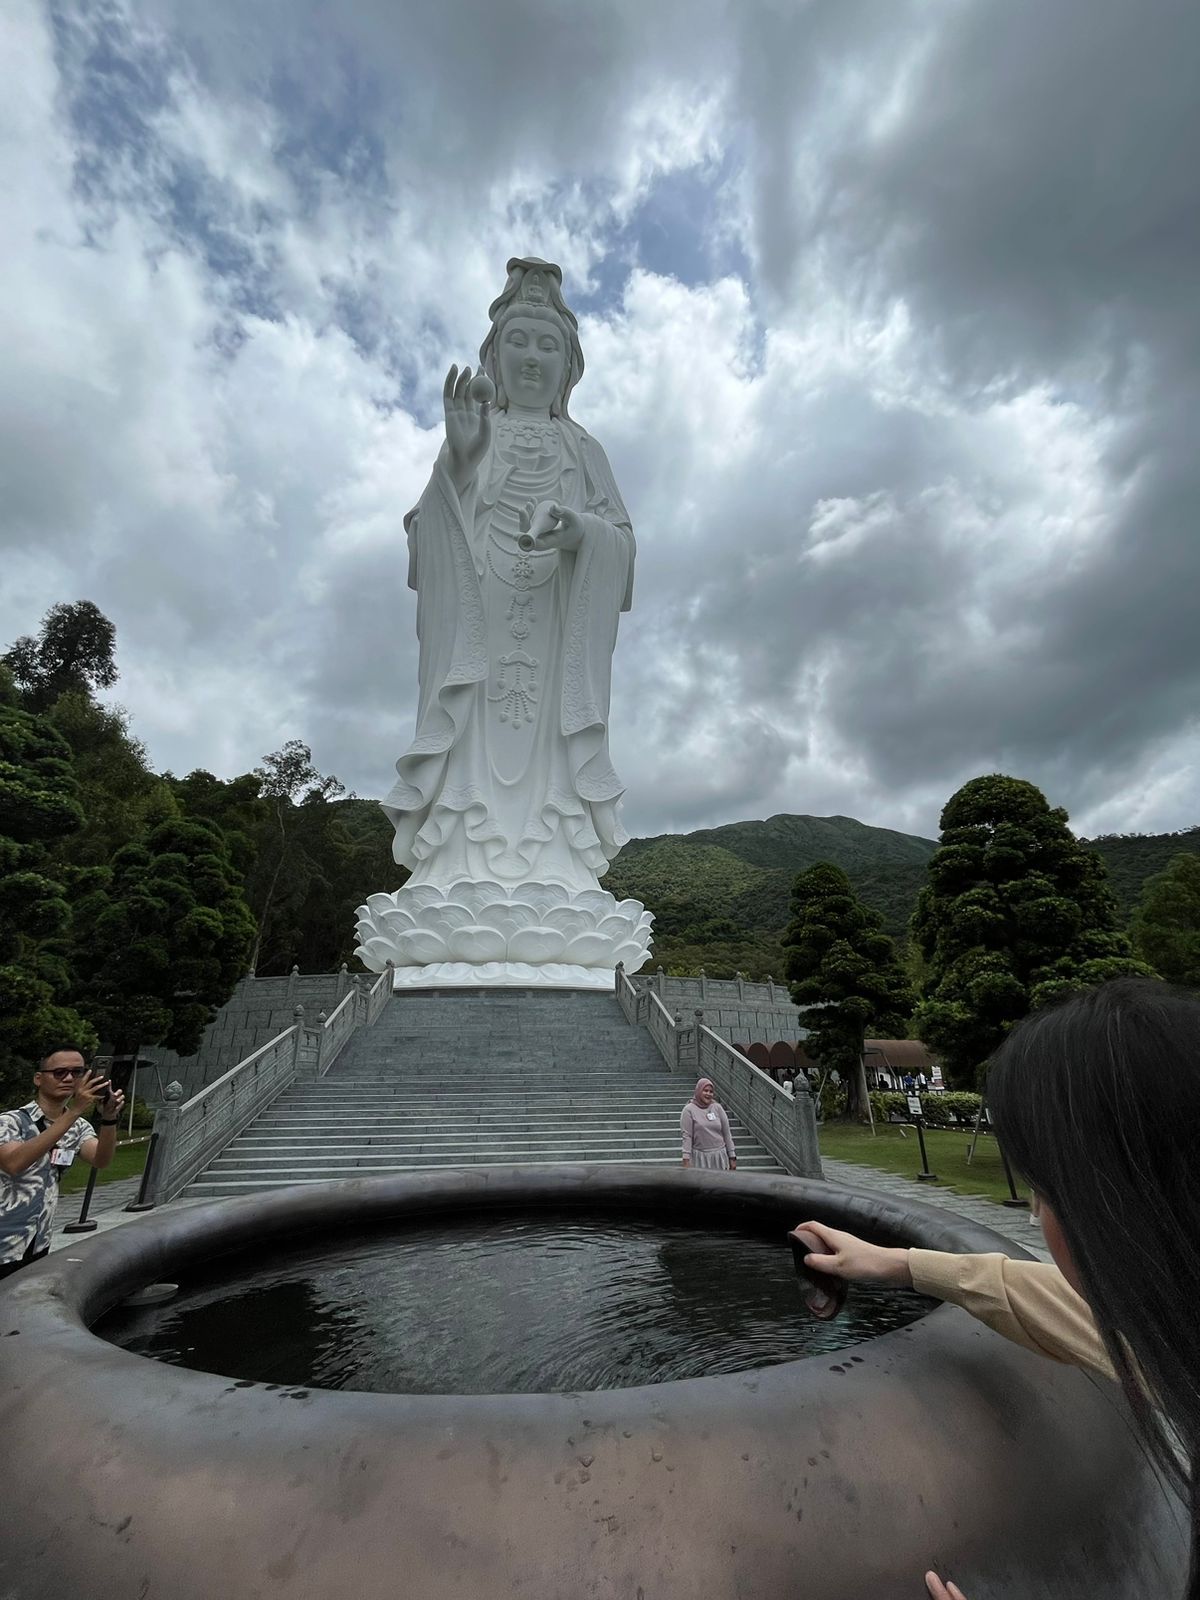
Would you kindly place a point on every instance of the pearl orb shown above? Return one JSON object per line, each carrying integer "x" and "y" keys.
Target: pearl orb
{"x": 482, "y": 389}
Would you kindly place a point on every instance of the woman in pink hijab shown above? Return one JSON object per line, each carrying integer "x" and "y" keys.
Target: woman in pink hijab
{"x": 707, "y": 1141}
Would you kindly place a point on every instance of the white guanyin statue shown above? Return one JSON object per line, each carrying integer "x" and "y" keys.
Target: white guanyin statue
{"x": 506, "y": 806}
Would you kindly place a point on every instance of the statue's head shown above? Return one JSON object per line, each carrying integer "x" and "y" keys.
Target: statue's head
{"x": 532, "y": 352}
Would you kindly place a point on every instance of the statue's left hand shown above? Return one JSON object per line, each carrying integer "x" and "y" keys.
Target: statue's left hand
{"x": 555, "y": 527}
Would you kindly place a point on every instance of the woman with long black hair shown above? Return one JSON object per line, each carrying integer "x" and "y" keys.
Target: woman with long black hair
{"x": 1097, "y": 1103}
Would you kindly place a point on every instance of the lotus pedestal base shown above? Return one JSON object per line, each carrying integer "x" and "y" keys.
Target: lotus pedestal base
{"x": 472, "y": 935}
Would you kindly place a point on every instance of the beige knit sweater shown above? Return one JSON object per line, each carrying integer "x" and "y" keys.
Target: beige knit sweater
{"x": 1029, "y": 1302}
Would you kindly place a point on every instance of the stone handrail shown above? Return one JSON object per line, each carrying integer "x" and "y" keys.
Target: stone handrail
{"x": 739, "y": 990}
{"x": 735, "y": 1008}
{"x": 784, "y": 1124}
{"x": 192, "y": 1133}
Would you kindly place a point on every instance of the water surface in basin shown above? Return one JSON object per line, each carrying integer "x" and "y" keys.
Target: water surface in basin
{"x": 514, "y": 1304}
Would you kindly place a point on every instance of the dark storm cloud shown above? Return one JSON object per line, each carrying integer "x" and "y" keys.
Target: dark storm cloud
{"x": 1031, "y": 198}
{"x": 1038, "y": 209}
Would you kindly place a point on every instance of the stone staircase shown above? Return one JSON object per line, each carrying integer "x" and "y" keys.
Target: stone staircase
{"x": 447, "y": 1080}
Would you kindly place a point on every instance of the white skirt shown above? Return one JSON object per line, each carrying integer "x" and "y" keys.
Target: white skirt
{"x": 711, "y": 1160}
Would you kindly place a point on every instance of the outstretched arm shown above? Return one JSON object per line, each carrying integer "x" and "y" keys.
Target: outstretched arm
{"x": 1029, "y": 1302}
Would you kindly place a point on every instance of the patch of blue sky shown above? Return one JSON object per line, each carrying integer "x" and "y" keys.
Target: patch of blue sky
{"x": 240, "y": 254}
{"x": 332, "y": 133}
{"x": 682, "y": 228}
{"x": 412, "y": 361}
{"x": 115, "y": 85}
{"x": 112, "y": 88}
{"x": 609, "y": 275}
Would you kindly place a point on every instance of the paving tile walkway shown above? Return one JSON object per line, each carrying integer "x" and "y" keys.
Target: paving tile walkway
{"x": 1012, "y": 1224}
{"x": 107, "y": 1210}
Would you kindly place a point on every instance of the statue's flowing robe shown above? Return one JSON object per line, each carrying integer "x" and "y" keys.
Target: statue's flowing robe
{"x": 509, "y": 776}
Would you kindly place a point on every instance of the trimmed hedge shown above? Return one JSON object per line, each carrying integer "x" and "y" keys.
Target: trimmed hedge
{"x": 941, "y": 1110}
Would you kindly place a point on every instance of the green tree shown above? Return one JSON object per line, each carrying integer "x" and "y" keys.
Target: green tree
{"x": 73, "y": 651}
{"x": 350, "y": 843}
{"x": 162, "y": 938}
{"x": 39, "y": 808}
{"x": 121, "y": 796}
{"x": 1166, "y": 927}
{"x": 232, "y": 803}
{"x": 839, "y": 958}
{"x": 288, "y": 783}
{"x": 1016, "y": 914}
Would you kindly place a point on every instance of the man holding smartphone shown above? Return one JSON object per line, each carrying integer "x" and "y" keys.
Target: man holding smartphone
{"x": 39, "y": 1141}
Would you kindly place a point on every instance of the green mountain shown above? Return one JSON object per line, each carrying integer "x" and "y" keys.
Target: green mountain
{"x": 721, "y": 895}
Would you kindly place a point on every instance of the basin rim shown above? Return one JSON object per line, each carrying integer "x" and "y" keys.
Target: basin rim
{"x": 58, "y": 1299}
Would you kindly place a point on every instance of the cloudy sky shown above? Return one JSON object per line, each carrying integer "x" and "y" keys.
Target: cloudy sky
{"x": 893, "y": 339}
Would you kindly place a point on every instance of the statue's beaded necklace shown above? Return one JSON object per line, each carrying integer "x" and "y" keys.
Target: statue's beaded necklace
{"x": 531, "y": 448}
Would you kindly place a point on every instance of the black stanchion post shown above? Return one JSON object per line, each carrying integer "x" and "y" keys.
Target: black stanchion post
{"x": 82, "y": 1224}
{"x": 924, "y": 1176}
{"x": 141, "y": 1203}
{"x": 917, "y": 1112}
{"x": 1015, "y": 1202}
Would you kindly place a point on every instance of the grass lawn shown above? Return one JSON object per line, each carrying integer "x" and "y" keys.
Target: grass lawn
{"x": 127, "y": 1163}
{"x": 844, "y": 1141}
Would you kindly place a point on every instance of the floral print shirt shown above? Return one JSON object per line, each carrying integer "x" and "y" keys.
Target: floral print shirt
{"x": 28, "y": 1202}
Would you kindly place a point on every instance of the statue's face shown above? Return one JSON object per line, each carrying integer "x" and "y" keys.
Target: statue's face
{"x": 533, "y": 362}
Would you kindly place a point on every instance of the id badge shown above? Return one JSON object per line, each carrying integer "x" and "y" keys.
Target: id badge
{"x": 61, "y": 1158}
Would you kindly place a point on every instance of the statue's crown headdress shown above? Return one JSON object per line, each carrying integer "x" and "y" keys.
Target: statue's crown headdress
{"x": 536, "y": 284}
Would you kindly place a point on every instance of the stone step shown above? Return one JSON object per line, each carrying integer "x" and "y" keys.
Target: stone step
{"x": 464, "y": 1092}
{"x": 372, "y": 1132}
{"x": 395, "y": 1068}
{"x": 530, "y": 1143}
{"x": 441, "y": 1082}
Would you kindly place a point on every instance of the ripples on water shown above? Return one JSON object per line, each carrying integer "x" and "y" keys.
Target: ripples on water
{"x": 510, "y": 1305}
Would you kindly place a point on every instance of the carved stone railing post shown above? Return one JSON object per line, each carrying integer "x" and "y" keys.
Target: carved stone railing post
{"x": 804, "y": 1112}
{"x": 164, "y": 1138}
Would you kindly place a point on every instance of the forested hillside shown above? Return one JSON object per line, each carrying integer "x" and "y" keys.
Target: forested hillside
{"x": 1131, "y": 858}
{"x": 720, "y": 896}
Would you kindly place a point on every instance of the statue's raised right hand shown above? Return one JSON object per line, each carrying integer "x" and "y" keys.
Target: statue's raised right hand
{"x": 468, "y": 424}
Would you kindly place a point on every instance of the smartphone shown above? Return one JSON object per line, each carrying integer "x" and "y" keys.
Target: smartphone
{"x": 119, "y": 1075}
{"x": 823, "y": 1296}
